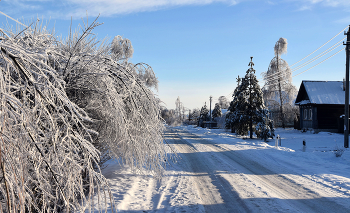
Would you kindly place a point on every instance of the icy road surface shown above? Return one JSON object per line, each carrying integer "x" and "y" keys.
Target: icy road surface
{"x": 219, "y": 177}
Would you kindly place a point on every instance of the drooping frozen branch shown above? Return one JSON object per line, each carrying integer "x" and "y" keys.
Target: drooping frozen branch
{"x": 63, "y": 105}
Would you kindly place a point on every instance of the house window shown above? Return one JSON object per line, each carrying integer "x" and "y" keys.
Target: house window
{"x": 305, "y": 114}
{"x": 310, "y": 114}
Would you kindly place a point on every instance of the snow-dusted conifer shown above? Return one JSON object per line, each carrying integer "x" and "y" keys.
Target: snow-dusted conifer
{"x": 195, "y": 114}
{"x": 264, "y": 129}
{"x": 247, "y": 108}
{"x": 217, "y": 111}
{"x": 204, "y": 114}
{"x": 236, "y": 118}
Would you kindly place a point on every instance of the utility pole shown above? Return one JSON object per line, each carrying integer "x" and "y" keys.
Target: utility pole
{"x": 280, "y": 90}
{"x": 210, "y": 106}
{"x": 346, "y": 119}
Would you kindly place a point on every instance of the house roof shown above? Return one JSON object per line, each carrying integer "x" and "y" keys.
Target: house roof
{"x": 320, "y": 92}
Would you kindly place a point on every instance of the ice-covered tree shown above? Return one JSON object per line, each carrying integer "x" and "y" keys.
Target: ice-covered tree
{"x": 168, "y": 115}
{"x": 279, "y": 92}
{"x": 63, "y": 104}
{"x": 178, "y": 108}
{"x": 217, "y": 111}
{"x": 223, "y": 102}
{"x": 122, "y": 50}
{"x": 247, "y": 108}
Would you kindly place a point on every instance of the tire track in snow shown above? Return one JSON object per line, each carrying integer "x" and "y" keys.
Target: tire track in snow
{"x": 281, "y": 189}
{"x": 216, "y": 194}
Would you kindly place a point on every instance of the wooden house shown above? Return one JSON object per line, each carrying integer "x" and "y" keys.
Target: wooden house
{"x": 321, "y": 105}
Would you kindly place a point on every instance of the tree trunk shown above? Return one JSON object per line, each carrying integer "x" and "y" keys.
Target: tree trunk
{"x": 280, "y": 91}
{"x": 250, "y": 106}
{"x": 281, "y": 104}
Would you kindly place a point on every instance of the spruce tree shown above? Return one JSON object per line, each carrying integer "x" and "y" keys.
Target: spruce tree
{"x": 236, "y": 119}
{"x": 247, "y": 108}
{"x": 204, "y": 113}
{"x": 217, "y": 111}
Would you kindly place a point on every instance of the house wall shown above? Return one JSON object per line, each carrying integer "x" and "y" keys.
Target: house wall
{"x": 321, "y": 117}
{"x": 308, "y": 117}
{"x": 328, "y": 116}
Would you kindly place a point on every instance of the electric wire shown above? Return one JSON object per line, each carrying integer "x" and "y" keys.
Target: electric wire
{"x": 320, "y": 62}
{"x": 330, "y": 49}
{"x": 276, "y": 75}
{"x": 320, "y": 47}
{"x": 307, "y": 62}
{"x": 312, "y": 66}
{"x": 13, "y": 19}
{"x": 318, "y": 56}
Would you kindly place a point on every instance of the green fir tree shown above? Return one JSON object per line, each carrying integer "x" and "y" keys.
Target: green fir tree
{"x": 217, "y": 111}
{"x": 204, "y": 115}
{"x": 247, "y": 109}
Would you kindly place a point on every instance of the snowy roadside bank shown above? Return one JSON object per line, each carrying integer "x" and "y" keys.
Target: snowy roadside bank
{"x": 210, "y": 162}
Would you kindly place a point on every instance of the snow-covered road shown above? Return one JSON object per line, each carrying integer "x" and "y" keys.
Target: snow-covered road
{"x": 219, "y": 177}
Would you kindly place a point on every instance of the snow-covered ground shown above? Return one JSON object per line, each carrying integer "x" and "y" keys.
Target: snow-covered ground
{"x": 217, "y": 171}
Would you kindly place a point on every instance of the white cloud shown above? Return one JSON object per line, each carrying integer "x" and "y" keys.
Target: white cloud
{"x": 78, "y": 8}
{"x": 325, "y": 3}
{"x": 112, "y": 7}
{"x": 311, "y": 4}
{"x": 304, "y": 7}
{"x": 345, "y": 20}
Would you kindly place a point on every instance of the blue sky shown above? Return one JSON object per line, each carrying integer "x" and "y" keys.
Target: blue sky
{"x": 197, "y": 48}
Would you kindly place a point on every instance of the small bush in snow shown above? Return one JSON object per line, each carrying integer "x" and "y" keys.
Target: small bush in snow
{"x": 338, "y": 151}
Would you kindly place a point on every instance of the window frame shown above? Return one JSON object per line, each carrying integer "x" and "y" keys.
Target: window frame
{"x": 305, "y": 114}
{"x": 310, "y": 114}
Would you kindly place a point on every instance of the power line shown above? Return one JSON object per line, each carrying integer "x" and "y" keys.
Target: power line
{"x": 318, "y": 56}
{"x": 309, "y": 61}
{"x": 330, "y": 49}
{"x": 276, "y": 75}
{"x": 13, "y": 19}
{"x": 320, "y": 62}
{"x": 314, "y": 65}
{"x": 320, "y": 47}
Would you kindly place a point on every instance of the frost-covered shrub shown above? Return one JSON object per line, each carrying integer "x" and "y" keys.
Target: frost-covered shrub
{"x": 46, "y": 150}
{"x": 338, "y": 152}
{"x": 63, "y": 105}
{"x": 264, "y": 129}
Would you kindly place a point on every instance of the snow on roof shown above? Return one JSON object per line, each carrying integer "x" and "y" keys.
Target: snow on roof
{"x": 324, "y": 92}
{"x": 304, "y": 102}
